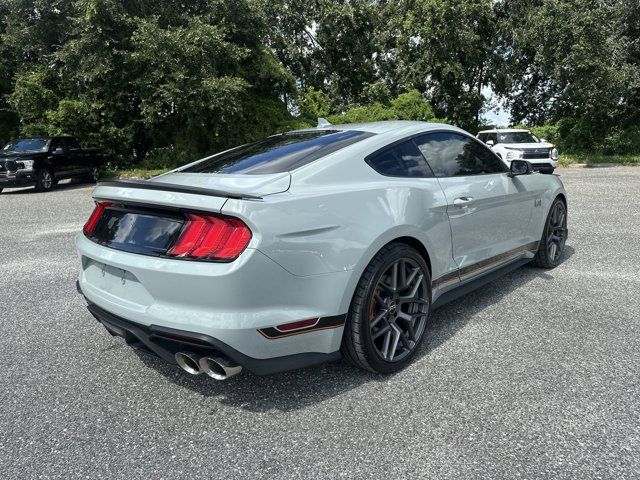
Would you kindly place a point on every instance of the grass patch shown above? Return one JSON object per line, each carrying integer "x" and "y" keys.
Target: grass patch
{"x": 571, "y": 158}
{"x": 133, "y": 173}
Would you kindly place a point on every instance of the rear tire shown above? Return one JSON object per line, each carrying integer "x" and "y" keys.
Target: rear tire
{"x": 389, "y": 311}
{"x": 554, "y": 237}
{"x": 93, "y": 176}
{"x": 44, "y": 180}
{"x": 547, "y": 171}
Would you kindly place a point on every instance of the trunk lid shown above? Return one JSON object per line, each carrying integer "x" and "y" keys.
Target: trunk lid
{"x": 194, "y": 191}
{"x": 260, "y": 185}
{"x": 152, "y": 217}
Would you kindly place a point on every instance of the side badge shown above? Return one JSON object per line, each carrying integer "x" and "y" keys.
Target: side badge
{"x": 537, "y": 202}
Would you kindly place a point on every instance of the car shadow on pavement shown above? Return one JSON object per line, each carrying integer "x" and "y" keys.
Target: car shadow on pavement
{"x": 301, "y": 388}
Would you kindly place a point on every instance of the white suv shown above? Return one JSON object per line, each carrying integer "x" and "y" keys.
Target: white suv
{"x": 512, "y": 144}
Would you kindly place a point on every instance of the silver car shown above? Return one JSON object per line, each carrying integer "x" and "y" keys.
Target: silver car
{"x": 313, "y": 245}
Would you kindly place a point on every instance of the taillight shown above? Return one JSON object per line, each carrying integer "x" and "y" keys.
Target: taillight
{"x": 90, "y": 226}
{"x": 211, "y": 237}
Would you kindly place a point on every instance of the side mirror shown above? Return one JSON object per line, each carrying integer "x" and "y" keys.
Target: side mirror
{"x": 58, "y": 151}
{"x": 490, "y": 143}
{"x": 520, "y": 167}
{"x": 542, "y": 140}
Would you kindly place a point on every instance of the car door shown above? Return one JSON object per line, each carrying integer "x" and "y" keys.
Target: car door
{"x": 60, "y": 159}
{"x": 419, "y": 200}
{"x": 75, "y": 160}
{"x": 488, "y": 210}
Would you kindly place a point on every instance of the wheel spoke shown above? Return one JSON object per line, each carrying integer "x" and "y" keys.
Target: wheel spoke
{"x": 408, "y": 344}
{"x": 402, "y": 268}
{"x": 553, "y": 248}
{"x": 416, "y": 286}
{"x": 387, "y": 342}
{"x": 394, "y": 345}
{"x": 378, "y": 300}
{"x": 381, "y": 332}
{"x": 417, "y": 301}
{"x": 376, "y": 320}
{"x": 394, "y": 276}
{"x": 407, "y": 283}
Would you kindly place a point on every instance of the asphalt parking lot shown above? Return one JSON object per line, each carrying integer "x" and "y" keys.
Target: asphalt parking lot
{"x": 536, "y": 375}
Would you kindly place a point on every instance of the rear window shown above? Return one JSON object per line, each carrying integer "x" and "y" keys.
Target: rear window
{"x": 280, "y": 153}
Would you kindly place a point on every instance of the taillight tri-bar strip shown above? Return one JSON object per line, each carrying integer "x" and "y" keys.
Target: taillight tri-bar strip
{"x": 211, "y": 237}
{"x": 91, "y": 224}
{"x": 203, "y": 236}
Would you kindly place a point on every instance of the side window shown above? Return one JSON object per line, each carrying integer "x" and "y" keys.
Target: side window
{"x": 494, "y": 137}
{"x": 402, "y": 160}
{"x": 72, "y": 144}
{"x": 483, "y": 137}
{"x": 454, "y": 155}
{"x": 55, "y": 144}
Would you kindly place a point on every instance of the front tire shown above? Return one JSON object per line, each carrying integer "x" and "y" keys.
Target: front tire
{"x": 389, "y": 311}
{"x": 44, "y": 180}
{"x": 554, "y": 237}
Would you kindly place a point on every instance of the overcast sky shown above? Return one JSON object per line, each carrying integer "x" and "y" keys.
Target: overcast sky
{"x": 499, "y": 115}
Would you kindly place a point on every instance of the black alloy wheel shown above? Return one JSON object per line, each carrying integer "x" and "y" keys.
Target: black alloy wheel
{"x": 389, "y": 311}
{"x": 554, "y": 237}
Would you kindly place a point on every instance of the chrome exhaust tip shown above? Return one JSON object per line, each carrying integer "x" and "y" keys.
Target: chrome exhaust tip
{"x": 189, "y": 362}
{"x": 219, "y": 368}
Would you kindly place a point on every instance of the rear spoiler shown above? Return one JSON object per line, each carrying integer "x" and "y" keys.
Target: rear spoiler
{"x": 170, "y": 187}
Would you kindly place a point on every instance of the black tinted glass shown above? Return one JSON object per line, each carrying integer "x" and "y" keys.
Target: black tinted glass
{"x": 72, "y": 144}
{"x": 402, "y": 160}
{"x": 137, "y": 232}
{"x": 28, "y": 145}
{"x": 280, "y": 153}
{"x": 452, "y": 155}
{"x": 517, "y": 137}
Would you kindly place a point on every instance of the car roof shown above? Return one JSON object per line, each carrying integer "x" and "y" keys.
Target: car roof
{"x": 59, "y": 137}
{"x": 504, "y": 130}
{"x": 388, "y": 126}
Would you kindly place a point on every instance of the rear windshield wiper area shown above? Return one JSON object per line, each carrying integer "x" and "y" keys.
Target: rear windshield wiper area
{"x": 279, "y": 153}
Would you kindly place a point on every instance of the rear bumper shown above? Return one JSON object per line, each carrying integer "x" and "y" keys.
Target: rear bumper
{"x": 238, "y": 304}
{"x": 166, "y": 342}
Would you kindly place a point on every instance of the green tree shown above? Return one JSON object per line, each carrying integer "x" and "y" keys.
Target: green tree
{"x": 446, "y": 49}
{"x": 573, "y": 63}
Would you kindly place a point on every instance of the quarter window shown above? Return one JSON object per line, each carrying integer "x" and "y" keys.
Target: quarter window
{"x": 454, "y": 155}
{"x": 402, "y": 160}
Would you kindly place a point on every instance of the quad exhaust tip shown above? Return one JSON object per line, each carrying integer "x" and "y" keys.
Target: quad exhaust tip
{"x": 217, "y": 367}
{"x": 189, "y": 362}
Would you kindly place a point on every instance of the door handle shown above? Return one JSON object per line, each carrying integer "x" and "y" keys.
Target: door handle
{"x": 462, "y": 202}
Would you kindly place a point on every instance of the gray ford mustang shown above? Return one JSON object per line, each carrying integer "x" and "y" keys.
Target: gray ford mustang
{"x": 330, "y": 242}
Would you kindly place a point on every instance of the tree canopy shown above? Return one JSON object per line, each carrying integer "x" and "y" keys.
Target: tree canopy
{"x": 176, "y": 79}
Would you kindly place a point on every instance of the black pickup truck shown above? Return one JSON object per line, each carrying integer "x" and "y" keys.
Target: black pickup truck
{"x": 43, "y": 161}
